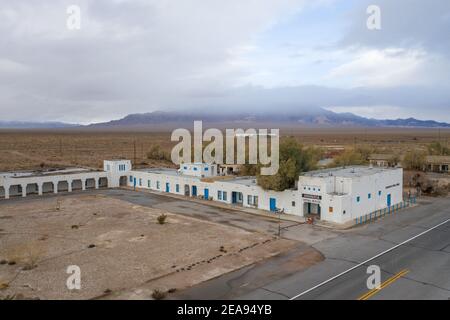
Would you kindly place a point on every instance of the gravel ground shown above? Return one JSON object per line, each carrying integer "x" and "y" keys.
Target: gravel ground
{"x": 117, "y": 245}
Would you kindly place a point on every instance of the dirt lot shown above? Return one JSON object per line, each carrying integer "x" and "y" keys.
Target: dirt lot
{"x": 31, "y": 149}
{"x": 119, "y": 246}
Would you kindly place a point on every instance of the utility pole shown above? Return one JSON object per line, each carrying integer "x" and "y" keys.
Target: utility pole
{"x": 134, "y": 151}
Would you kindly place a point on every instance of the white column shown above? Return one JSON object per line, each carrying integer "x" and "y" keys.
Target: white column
{"x": 69, "y": 185}
{"x": 24, "y": 190}
{"x": 6, "y": 192}
{"x": 83, "y": 184}
{"x": 96, "y": 183}
{"x": 55, "y": 187}
{"x": 40, "y": 189}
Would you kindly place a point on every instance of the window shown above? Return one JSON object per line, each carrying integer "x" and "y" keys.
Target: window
{"x": 219, "y": 195}
{"x": 185, "y": 168}
{"x": 140, "y": 182}
{"x": 293, "y": 203}
{"x": 249, "y": 200}
{"x": 195, "y": 168}
{"x": 177, "y": 188}
{"x": 224, "y": 196}
{"x": 131, "y": 178}
{"x": 369, "y": 196}
{"x": 149, "y": 184}
{"x": 255, "y": 200}
{"x": 318, "y": 190}
{"x": 330, "y": 209}
{"x": 379, "y": 193}
{"x": 358, "y": 199}
{"x": 344, "y": 212}
{"x": 158, "y": 185}
{"x": 206, "y": 169}
{"x": 108, "y": 167}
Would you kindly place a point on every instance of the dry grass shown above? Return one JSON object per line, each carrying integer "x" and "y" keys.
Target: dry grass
{"x": 26, "y": 254}
{"x": 33, "y": 149}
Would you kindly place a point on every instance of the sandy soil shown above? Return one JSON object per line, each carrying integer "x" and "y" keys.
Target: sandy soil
{"x": 118, "y": 246}
{"x": 31, "y": 149}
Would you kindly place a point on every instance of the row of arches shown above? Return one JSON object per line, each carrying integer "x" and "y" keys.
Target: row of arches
{"x": 24, "y": 190}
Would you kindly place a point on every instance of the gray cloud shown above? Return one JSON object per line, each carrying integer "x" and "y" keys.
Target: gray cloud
{"x": 405, "y": 23}
{"x": 139, "y": 56}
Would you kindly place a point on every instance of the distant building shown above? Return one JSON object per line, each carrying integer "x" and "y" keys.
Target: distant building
{"x": 385, "y": 160}
{"x": 438, "y": 164}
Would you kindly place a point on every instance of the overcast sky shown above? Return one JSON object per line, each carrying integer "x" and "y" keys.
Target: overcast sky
{"x": 135, "y": 56}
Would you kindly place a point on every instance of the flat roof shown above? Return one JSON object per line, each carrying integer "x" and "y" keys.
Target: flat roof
{"x": 246, "y": 181}
{"x": 348, "y": 172}
{"x": 43, "y": 173}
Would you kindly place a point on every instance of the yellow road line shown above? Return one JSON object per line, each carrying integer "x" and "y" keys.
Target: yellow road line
{"x": 388, "y": 282}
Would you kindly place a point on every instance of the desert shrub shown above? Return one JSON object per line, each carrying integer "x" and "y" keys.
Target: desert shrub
{"x": 414, "y": 160}
{"x": 158, "y": 294}
{"x": 436, "y": 148}
{"x": 162, "y": 218}
{"x": 157, "y": 153}
{"x": 28, "y": 254}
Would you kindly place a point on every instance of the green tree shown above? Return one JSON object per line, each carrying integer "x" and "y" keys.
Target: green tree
{"x": 414, "y": 160}
{"x": 294, "y": 159}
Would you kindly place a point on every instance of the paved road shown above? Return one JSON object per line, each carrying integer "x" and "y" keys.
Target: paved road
{"x": 424, "y": 263}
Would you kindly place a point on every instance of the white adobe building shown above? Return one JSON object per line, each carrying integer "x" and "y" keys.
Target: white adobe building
{"x": 25, "y": 183}
{"x": 335, "y": 195}
{"x": 343, "y": 194}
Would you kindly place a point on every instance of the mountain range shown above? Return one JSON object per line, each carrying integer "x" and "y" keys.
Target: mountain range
{"x": 169, "y": 120}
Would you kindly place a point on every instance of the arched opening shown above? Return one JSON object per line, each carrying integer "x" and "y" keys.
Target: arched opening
{"x": 90, "y": 183}
{"x": 63, "y": 186}
{"x": 32, "y": 188}
{"x": 187, "y": 190}
{"x": 123, "y": 181}
{"x": 15, "y": 191}
{"x": 47, "y": 187}
{"x": 103, "y": 182}
{"x": 2, "y": 192}
{"x": 77, "y": 185}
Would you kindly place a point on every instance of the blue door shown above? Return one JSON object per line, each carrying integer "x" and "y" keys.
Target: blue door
{"x": 134, "y": 183}
{"x": 194, "y": 191}
{"x": 389, "y": 200}
{"x": 233, "y": 197}
{"x": 167, "y": 187}
{"x": 273, "y": 204}
{"x": 206, "y": 193}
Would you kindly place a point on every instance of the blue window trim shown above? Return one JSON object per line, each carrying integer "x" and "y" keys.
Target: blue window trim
{"x": 358, "y": 199}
